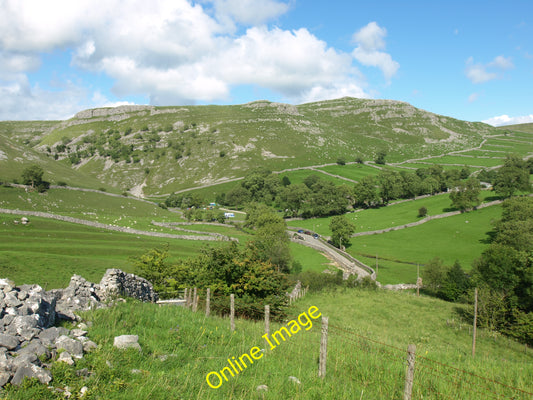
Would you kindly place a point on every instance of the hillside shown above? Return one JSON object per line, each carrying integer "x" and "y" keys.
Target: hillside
{"x": 518, "y": 127}
{"x": 158, "y": 150}
{"x": 369, "y": 332}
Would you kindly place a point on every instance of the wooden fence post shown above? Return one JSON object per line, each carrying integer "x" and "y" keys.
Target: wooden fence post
{"x": 418, "y": 280}
{"x": 323, "y": 348}
{"x": 409, "y": 376}
{"x": 195, "y": 300}
{"x": 189, "y": 298}
{"x": 475, "y": 324}
{"x": 185, "y": 297}
{"x": 267, "y": 319}
{"x": 232, "y": 312}
{"x": 208, "y": 302}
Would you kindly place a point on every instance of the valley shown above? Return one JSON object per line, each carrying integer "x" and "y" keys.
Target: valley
{"x": 127, "y": 180}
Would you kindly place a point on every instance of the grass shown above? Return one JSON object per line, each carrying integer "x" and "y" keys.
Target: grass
{"x": 352, "y": 171}
{"x": 480, "y": 162}
{"x": 310, "y": 259}
{"x": 385, "y": 217}
{"x": 461, "y": 237}
{"x": 368, "y": 336}
{"x": 299, "y": 176}
{"x": 99, "y": 207}
{"x": 49, "y": 252}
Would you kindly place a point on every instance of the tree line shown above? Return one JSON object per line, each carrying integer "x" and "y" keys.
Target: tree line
{"x": 319, "y": 197}
{"x": 503, "y": 274}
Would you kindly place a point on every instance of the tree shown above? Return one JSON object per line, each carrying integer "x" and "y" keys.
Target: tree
{"x": 456, "y": 283}
{"x": 380, "y": 157}
{"x": 433, "y": 274}
{"x": 412, "y": 185}
{"x": 366, "y": 193}
{"x": 293, "y": 197}
{"x": 466, "y": 194}
{"x": 422, "y": 212}
{"x": 33, "y": 176}
{"x": 391, "y": 186}
{"x": 271, "y": 242}
{"x": 512, "y": 177}
{"x": 285, "y": 181}
{"x": 341, "y": 230}
{"x": 237, "y": 196}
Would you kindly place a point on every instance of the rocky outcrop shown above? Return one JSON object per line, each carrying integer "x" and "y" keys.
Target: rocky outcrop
{"x": 28, "y": 339}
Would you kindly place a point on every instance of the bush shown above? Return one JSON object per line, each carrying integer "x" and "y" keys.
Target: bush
{"x": 61, "y": 183}
{"x": 422, "y": 212}
{"x": 341, "y": 161}
{"x": 380, "y": 157}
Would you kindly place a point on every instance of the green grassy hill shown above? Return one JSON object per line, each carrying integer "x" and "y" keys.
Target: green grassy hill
{"x": 369, "y": 332}
{"x": 518, "y": 127}
{"x": 158, "y": 150}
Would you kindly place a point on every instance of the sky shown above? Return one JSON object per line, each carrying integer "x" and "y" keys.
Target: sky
{"x": 468, "y": 59}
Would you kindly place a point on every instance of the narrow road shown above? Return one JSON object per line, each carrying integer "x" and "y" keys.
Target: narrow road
{"x": 346, "y": 262}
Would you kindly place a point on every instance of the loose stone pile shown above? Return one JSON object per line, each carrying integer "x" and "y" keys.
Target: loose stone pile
{"x": 28, "y": 338}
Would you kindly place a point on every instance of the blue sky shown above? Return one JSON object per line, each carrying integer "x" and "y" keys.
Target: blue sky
{"x": 469, "y": 59}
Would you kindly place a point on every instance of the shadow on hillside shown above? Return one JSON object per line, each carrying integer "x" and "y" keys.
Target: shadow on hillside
{"x": 489, "y": 237}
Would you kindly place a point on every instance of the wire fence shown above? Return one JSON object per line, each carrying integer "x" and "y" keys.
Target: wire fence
{"x": 385, "y": 366}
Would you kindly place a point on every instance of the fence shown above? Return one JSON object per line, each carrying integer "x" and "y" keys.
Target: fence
{"x": 399, "y": 372}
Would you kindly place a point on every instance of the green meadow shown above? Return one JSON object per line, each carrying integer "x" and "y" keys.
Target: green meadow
{"x": 460, "y": 237}
{"x": 369, "y": 332}
{"x": 49, "y": 252}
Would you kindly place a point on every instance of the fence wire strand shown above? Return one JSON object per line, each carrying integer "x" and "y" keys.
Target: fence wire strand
{"x": 423, "y": 372}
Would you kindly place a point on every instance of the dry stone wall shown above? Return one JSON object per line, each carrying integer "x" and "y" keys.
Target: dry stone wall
{"x": 29, "y": 341}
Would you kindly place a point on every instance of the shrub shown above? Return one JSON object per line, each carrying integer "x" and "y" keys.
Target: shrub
{"x": 422, "y": 212}
{"x": 341, "y": 161}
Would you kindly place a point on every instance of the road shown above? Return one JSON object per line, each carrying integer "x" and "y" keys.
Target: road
{"x": 345, "y": 262}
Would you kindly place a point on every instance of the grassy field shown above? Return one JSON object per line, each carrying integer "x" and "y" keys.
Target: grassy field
{"x": 461, "y": 237}
{"x": 310, "y": 259}
{"x": 48, "y": 252}
{"x": 368, "y": 336}
{"x": 393, "y": 215}
{"x": 99, "y": 207}
{"x": 352, "y": 171}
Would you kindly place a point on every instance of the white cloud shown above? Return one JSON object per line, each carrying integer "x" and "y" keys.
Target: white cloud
{"x": 370, "y": 40}
{"x": 19, "y": 101}
{"x": 473, "y": 97}
{"x": 480, "y": 73}
{"x": 502, "y": 63}
{"x": 174, "y": 52}
{"x": 249, "y": 12}
{"x": 506, "y": 120}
